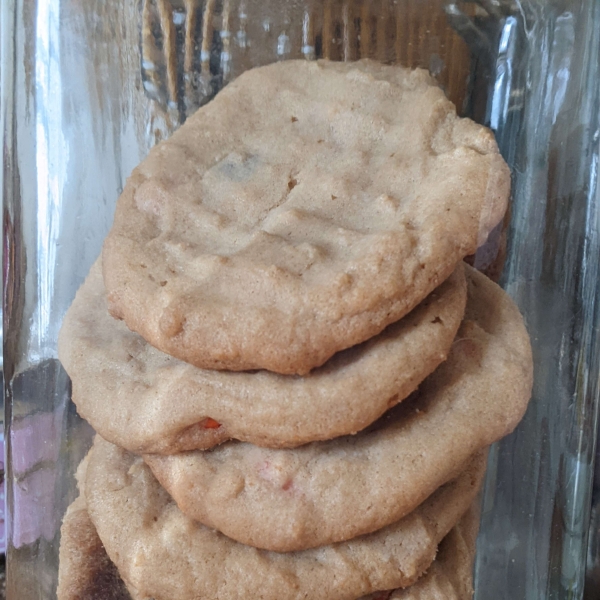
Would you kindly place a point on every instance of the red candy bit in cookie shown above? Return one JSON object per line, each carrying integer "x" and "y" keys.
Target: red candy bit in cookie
{"x": 209, "y": 423}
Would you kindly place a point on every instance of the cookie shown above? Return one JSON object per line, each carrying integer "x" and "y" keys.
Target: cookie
{"x": 164, "y": 555}
{"x": 304, "y": 209}
{"x": 85, "y": 572}
{"x": 448, "y": 578}
{"x": 146, "y": 401}
{"x": 331, "y": 491}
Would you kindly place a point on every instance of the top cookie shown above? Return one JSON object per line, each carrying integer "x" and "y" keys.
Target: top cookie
{"x": 306, "y": 207}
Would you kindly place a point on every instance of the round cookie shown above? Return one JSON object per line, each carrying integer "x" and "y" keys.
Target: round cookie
{"x": 146, "y": 401}
{"x": 85, "y": 571}
{"x": 164, "y": 555}
{"x": 330, "y": 491}
{"x": 304, "y": 209}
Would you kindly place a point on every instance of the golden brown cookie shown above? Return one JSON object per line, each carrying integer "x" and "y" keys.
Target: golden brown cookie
{"x": 326, "y": 492}
{"x": 146, "y": 401}
{"x": 304, "y": 209}
{"x": 163, "y": 554}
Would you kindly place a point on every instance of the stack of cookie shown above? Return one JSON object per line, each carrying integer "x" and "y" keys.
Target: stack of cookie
{"x": 292, "y": 374}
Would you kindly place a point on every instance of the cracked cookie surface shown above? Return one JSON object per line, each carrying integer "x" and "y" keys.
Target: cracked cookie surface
{"x": 304, "y": 209}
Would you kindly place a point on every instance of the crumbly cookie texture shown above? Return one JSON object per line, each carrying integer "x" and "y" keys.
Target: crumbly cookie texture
{"x": 450, "y": 576}
{"x": 304, "y": 209}
{"x": 84, "y": 570}
{"x": 164, "y": 555}
{"x": 146, "y": 401}
{"x": 330, "y": 491}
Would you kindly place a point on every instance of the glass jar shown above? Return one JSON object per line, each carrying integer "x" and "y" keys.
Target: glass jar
{"x": 88, "y": 88}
